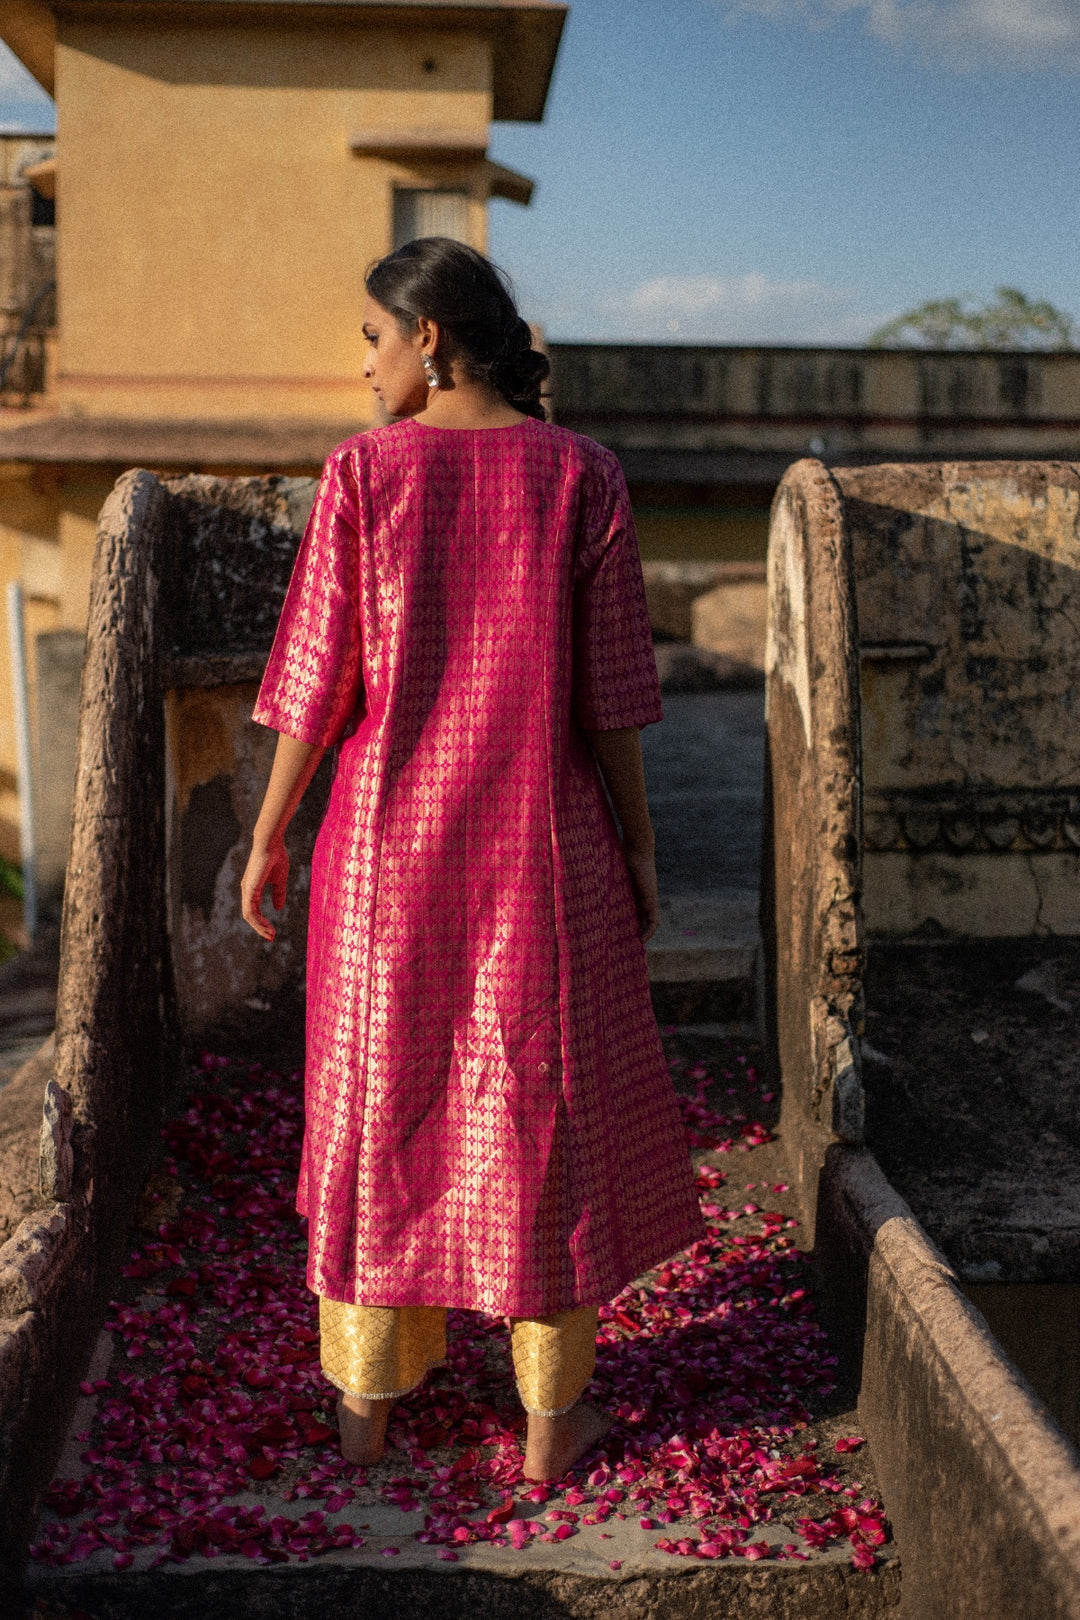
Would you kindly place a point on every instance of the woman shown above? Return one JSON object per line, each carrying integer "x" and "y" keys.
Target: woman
{"x": 490, "y": 1124}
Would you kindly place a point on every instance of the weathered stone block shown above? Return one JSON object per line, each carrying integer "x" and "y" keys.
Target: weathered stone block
{"x": 31, "y": 1261}
{"x": 672, "y": 588}
{"x": 730, "y": 620}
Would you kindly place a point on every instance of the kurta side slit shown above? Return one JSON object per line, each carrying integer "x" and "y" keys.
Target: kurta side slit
{"x": 490, "y": 1122}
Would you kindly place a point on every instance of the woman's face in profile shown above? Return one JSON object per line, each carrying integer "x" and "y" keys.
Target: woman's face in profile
{"x": 392, "y": 362}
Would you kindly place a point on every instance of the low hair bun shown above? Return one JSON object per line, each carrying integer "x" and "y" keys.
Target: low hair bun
{"x": 471, "y": 299}
{"x": 519, "y": 374}
{"x": 519, "y": 339}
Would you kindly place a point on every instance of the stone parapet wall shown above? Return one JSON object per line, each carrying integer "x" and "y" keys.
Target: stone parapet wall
{"x": 187, "y": 584}
{"x": 956, "y": 584}
{"x": 810, "y": 903}
{"x": 232, "y": 985}
{"x": 968, "y": 583}
{"x": 116, "y": 1047}
{"x": 981, "y": 1486}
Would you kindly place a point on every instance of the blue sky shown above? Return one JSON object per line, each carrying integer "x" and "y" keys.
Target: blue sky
{"x": 787, "y": 170}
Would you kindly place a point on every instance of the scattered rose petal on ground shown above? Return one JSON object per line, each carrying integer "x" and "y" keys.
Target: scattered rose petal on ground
{"x": 709, "y": 1368}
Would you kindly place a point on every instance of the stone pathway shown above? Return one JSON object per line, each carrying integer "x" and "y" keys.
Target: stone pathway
{"x": 209, "y": 1362}
{"x": 202, "y": 1453}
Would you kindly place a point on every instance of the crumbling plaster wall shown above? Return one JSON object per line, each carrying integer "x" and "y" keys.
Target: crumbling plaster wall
{"x": 228, "y": 980}
{"x": 968, "y": 581}
{"x": 237, "y": 538}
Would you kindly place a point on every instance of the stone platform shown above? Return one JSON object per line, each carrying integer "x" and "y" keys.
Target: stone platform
{"x": 610, "y": 1567}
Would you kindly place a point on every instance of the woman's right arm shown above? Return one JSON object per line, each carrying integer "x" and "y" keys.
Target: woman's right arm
{"x": 313, "y": 680}
{"x": 295, "y": 763}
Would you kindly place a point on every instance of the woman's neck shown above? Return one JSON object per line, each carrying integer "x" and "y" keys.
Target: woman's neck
{"x": 468, "y": 405}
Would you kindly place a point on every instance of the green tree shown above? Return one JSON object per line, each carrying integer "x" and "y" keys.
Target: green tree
{"x": 1010, "y": 320}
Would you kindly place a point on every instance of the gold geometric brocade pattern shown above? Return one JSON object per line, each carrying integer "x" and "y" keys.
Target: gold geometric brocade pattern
{"x": 380, "y": 1352}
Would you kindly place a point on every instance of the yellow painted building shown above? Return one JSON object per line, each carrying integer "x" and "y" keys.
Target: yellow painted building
{"x": 224, "y": 173}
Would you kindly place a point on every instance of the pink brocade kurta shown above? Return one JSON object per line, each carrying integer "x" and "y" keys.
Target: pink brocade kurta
{"x": 490, "y": 1123}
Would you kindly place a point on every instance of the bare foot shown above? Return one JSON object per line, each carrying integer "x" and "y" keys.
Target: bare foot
{"x": 553, "y": 1445}
{"x": 362, "y": 1428}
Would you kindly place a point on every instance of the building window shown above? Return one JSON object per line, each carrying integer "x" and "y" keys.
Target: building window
{"x": 430, "y": 213}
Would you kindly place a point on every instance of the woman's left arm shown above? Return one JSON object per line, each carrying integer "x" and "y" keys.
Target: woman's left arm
{"x": 618, "y": 754}
{"x": 295, "y": 763}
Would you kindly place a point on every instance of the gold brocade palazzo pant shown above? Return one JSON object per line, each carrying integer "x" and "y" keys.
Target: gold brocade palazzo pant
{"x": 378, "y": 1352}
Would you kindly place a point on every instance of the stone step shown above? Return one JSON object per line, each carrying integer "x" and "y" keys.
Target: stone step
{"x": 703, "y": 958}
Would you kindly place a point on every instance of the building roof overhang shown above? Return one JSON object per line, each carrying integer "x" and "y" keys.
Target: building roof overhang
{"x": 525, "y": 33}
{"x": 42, "y": 176}
{"x": 435, "y": 148}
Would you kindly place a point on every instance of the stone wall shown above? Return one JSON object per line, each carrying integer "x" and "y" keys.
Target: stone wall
{"x": 968, "y": 683}
{"x": 232, "y": 986}
{"x": 697, "y": 413}
{"x": 968, "y": 604}
{"x": 810, "y": 860}
{"x": 116, "y": 1045}
{"x": 981, "y": 1486}
{"x": 238, "y": 538}
{"x": 187, "y": 585}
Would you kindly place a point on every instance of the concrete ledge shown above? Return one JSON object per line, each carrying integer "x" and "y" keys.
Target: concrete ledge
{"x": 682, "y": 667}
{"x": 981, "y": 1486}
{"x": 717, "y": 962}
{"x": 721, "y": 1592}
{"x": 703, "y": 958}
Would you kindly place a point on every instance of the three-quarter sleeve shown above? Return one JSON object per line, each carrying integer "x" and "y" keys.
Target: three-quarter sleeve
{"x": 615, "y": 683}
{"x": 313, "y": 678}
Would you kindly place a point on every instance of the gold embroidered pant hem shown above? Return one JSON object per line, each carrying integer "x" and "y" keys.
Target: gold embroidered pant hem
{"x": 381, "y": 1352}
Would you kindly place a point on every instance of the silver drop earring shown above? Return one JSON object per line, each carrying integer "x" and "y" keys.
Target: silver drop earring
{"x": 429, "y": 371}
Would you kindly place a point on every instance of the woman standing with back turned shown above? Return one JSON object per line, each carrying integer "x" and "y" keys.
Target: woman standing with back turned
{"x": 490, "y": 1124}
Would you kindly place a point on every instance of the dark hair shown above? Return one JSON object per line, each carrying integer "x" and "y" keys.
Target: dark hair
{"x": 471, "y": 299}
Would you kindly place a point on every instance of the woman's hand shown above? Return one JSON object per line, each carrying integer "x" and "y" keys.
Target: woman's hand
{"x": 268, "y": 866}
{"x": 295, "y": 763}
{"x": 641, "y": 865}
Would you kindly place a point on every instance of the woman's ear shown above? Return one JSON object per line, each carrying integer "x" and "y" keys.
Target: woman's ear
{"x": 428, "y": 335}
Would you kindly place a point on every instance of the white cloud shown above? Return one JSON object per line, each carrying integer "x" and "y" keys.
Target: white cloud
{"x": 729, "y": 309}
{"x": 958, "y": 33}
